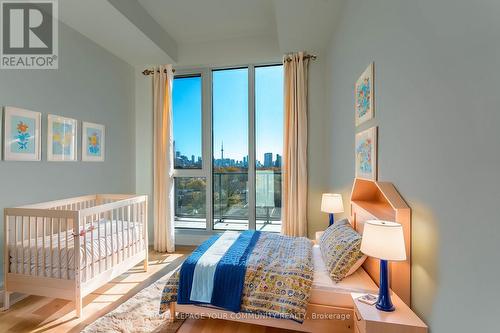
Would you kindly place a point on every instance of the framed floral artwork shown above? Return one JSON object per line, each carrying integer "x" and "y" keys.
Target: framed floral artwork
{"x": 366, "y": 154}
{"x": 93, "y": 142}
{"x": 61, "y": 138}
{"x": 364, "y": 96}
{"x": 22, "y": 134}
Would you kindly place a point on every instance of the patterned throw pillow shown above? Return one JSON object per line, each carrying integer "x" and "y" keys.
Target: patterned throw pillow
{"x": 340, "y": 248}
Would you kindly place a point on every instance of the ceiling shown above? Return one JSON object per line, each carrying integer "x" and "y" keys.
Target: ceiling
{"x": 189, "y": 32}
{"x": 190, "y": 21}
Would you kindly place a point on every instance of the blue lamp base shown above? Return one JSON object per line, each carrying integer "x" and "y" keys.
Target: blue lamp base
{"x": 384, "y": 302}
{"x": 331, "y": 219}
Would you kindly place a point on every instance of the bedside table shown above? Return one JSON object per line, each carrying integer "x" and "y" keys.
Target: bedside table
{"x": 368, "y": 319}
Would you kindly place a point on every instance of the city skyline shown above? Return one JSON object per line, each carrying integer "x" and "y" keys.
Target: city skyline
{"x": 230, "y": 112}
{"x": 269, "y": 160}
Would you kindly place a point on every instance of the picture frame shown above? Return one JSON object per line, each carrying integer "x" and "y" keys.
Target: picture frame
{"x": 365, "y": 149}
{"x": 93, "y": 142}
{"x": 22, "y": 134}
{"x": 62, "y": 139}
{"x": 364, "y": 96}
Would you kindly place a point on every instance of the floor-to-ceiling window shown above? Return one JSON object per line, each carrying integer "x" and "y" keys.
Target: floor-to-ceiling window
{"x": 228, "y": 129}
{"x": 231, "y": 192}
{"x": 268, "y": 146}
{"x": 189, "y": 185}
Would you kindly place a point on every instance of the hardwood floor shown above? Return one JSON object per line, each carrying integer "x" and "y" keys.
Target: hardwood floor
{"x": 224, "y": 326}
{"x": 43, "y": 314}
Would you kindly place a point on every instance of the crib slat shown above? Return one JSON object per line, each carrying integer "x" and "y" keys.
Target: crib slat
{"x": 116, "y": 233}
{"x": 139, "y": 227}
{"x": 112, "y": 243}
{"x": 44, "y": 261}
{"x": 36, "y": 246}
{"x": 99, "y": 241}
{"x": 29, "y": 245}
{"x": 140, "y": 233}
{"x": 59, "y": 245}
{"x": 16, "y": 269}
{"x": 67, "y": 249}
{"x": 123, "y": 233}
{"x": 51, "y": 247}
{"x": 105, "y": 241}
{"x": 22, "y": 244}
{"x": 144, "y": 231}
{"x": 85, "y": 249}
{"x": 145, "y": 225}
{"x": 129, "y": 244}
{"x": 92, "y": 244}
{"x": 134, "y": 232}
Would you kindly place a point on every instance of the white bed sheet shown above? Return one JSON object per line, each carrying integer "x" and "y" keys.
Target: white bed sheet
{"x": 327, "y": 292}
{"x": 102, "y": 237}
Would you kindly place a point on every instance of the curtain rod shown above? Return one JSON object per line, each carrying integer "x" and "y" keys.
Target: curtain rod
{"x": 148, "y": 71}
{"x": 307, "y": 56}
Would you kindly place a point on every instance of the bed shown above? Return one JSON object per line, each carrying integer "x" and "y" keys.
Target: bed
{"x": 68, "y": 248}
{"x": 329, "y": 306}
{"x": 327, "y": 302}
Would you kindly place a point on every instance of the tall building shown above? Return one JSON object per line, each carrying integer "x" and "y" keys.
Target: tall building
{"x": 268, "y": 160}
{"x": 277, "y": 164}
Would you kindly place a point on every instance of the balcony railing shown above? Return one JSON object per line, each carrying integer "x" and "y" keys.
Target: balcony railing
{"x": 230, "y": 199}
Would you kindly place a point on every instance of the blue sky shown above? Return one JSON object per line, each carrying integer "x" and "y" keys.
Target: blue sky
{"x": 269, "y": 111}
{"x": 230, "y": 112}
{"x": 186, "y": 103}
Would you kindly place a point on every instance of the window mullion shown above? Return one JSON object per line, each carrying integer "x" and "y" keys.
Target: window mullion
{"x": 251, "y": 148}
{"x": 207, "y": 145}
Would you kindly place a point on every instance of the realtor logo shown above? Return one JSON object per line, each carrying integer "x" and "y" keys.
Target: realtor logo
{"x": 29, "y": 36}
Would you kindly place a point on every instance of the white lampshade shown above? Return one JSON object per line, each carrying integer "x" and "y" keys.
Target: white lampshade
{"x": 332, "y": 203}
{"x": 383, "y": 240}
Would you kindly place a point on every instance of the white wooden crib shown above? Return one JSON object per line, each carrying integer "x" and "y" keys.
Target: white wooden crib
{"x": 68, "y": 248}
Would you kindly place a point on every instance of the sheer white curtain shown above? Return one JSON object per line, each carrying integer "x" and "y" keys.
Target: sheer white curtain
{"x": 295, "y": 145}
{"x": 163, "y": 180}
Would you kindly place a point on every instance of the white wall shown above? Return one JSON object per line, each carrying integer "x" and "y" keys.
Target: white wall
{"x": 318, "y": 126}
{"x": 144, "y": 140}
{"x": 437, "y": 64}
{"x": 92, "y": 85}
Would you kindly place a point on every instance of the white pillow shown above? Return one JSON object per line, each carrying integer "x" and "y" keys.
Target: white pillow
{"x": 356, "y": 265}
{"x": 318, "y": 236}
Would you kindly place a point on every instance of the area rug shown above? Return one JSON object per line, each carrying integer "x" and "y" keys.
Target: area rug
{"x": 138, "y": 314}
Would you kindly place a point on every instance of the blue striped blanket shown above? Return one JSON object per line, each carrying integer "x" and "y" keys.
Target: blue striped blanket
{"x": 272, "y": 277}
{"x": 215, "y": 272}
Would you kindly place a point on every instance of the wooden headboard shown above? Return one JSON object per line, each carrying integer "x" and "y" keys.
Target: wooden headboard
{"x": 373, "y": 200}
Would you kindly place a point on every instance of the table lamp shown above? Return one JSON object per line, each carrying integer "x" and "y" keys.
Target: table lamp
{"x": 383, "y": 240}
{"x": 332, "y": 203}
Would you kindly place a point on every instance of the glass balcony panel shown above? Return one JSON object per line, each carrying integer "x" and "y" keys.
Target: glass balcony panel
{"x": 190, "y": 203}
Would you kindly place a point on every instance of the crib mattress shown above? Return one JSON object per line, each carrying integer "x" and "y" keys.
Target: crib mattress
{"x": 99, "y": 242}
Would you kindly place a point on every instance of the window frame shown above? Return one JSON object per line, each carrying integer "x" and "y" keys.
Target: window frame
{"x": 188, "y": 74}
{"x": 206, "y": 127}
{"x": 206, "y": 74}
